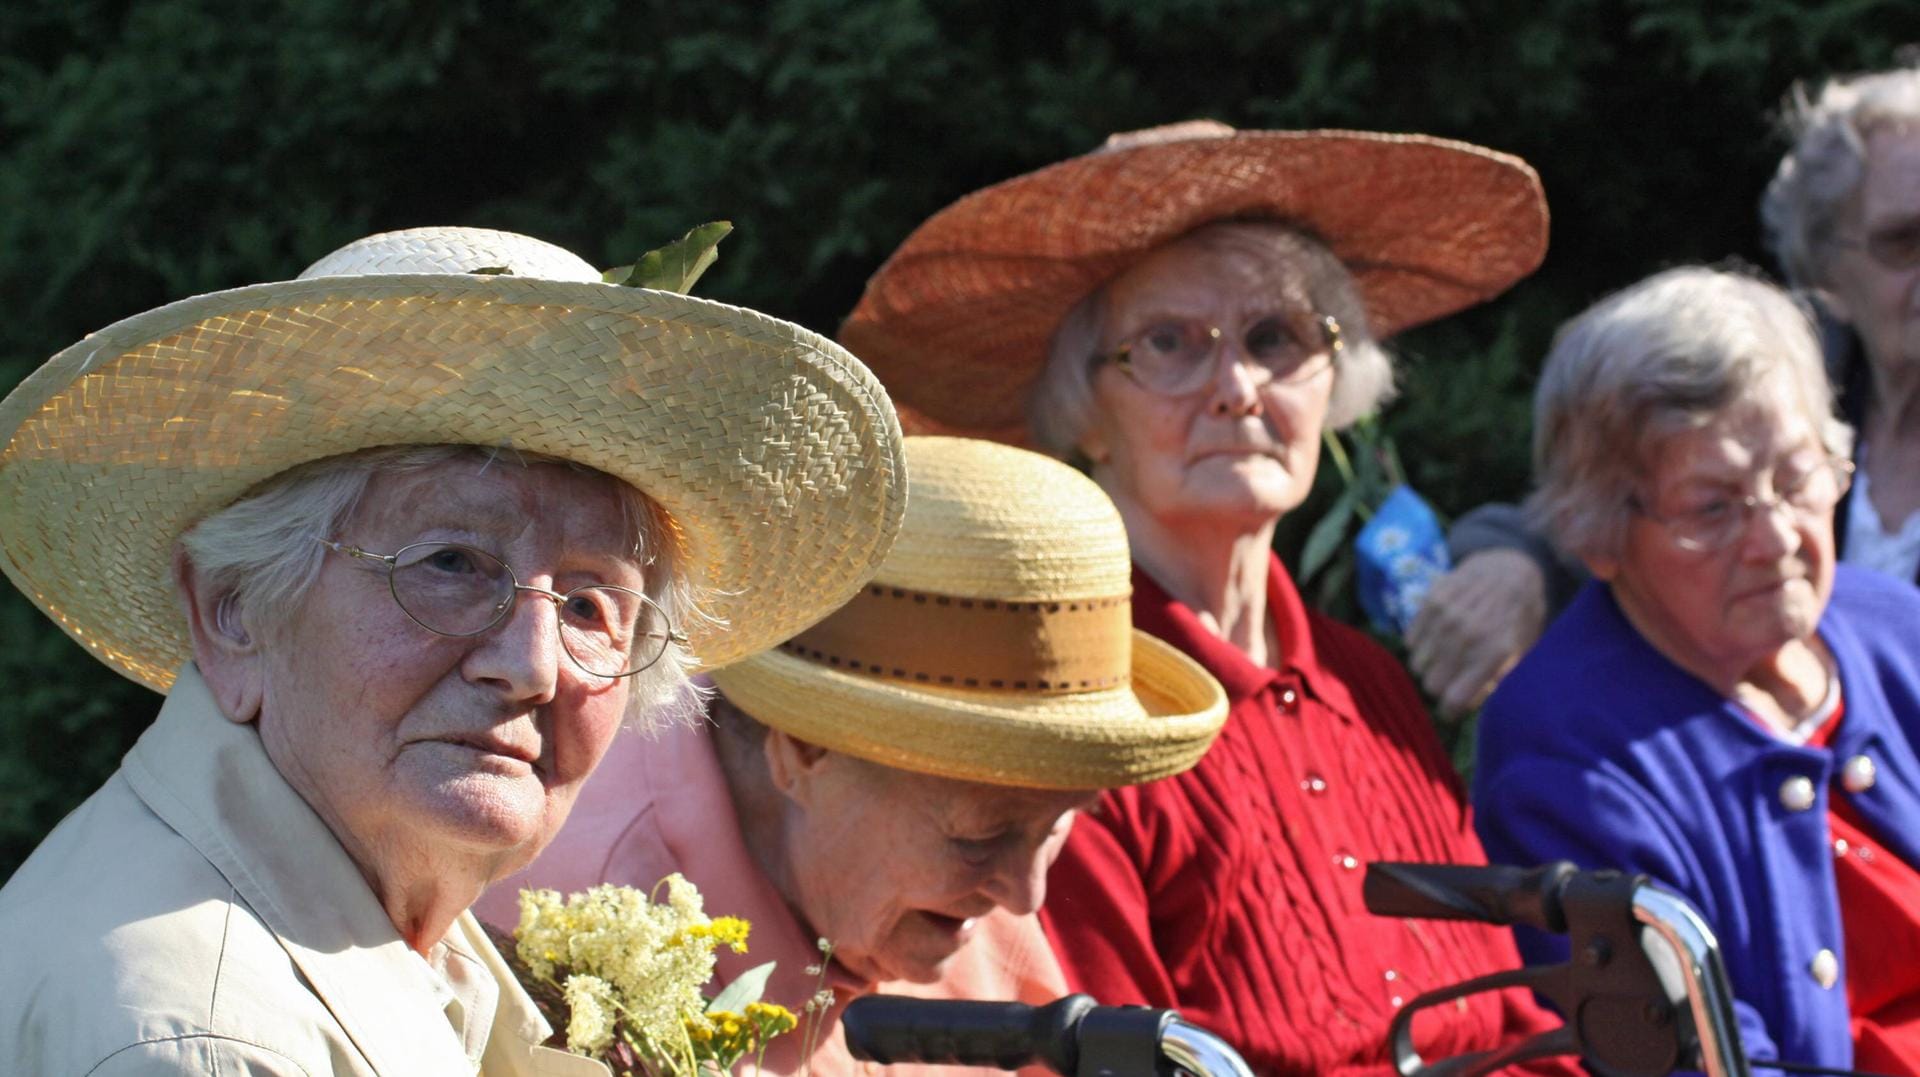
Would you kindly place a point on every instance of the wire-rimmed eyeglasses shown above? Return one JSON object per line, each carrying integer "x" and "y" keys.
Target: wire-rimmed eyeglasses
{"x": 1716, "y": 523}
{"x": 1896, "y": 248}
{"x": 1178, "y": 356}
{"x": 456, "y": 590}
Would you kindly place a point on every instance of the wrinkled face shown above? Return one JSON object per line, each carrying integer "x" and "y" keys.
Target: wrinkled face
{"x": 894, "y": 867}
{"x": 1242, "y": 447}
{"x": 1881, "y": 303}
{"x": 405, "y": 740}
{"x": 1731, "y": 609}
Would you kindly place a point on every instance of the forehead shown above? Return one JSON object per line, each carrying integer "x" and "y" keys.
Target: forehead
{"x": 1890, "y": 189}
{"x": 1214, "y": 273}
{"x": 954, "y": 802}
{"x": 1744, "y": 438}
{"x": 500, "y": 499}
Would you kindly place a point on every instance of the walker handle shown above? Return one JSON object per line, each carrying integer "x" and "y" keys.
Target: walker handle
{"x": 1005, "y": 1035}
{"x": 1491, "y": 894}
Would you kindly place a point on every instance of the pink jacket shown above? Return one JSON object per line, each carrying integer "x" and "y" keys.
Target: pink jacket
{"x": 659, "y": 804}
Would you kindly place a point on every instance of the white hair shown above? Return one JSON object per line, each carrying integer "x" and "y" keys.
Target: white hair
{"x": 1829, "y": 156}
{"x": 1060, "y": 408}
{"x": 259, "y": 554}
{"x": 1666, "y": 355}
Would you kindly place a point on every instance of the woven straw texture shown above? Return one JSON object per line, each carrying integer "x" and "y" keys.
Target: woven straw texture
{"x": 957, "y": 322}
{"x": 776, "y": 453}
{"x": 988, "y": 521}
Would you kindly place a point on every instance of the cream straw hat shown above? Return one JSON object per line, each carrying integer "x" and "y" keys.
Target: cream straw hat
{"x": 996, "y": 643}
{"x": 775, "y": 452}
{"x": 958, "y": 321}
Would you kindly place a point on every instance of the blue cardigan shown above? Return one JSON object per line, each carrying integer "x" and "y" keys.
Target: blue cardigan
{"x": 1599, "y": 750}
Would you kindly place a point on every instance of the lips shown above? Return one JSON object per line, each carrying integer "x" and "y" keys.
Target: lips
{"x": 487, "y": 744}
{"x": 953, "y": 928}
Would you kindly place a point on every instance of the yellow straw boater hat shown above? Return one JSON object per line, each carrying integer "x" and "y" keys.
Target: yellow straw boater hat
{"x": 958, "y": 321}
{"x": 996, "y": 643}
{"x": 774, "y": 451}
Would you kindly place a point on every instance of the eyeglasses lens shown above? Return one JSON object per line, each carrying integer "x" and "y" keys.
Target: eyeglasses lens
{"x": 1177, "y": 357}
{"x": 454, "y": 590}
{"x": 1720, "y": 523}
{"x": 612, "y": 631}
{"x": 458, "y": 590}
{"x": 1897, "y": 248}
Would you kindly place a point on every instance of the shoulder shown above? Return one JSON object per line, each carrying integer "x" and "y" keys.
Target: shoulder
{"x": 1589, "y": 657}
{"x": 124, "y": 941}
{"x": 1863, "y": 596}
{"x": 202, "y": 1053}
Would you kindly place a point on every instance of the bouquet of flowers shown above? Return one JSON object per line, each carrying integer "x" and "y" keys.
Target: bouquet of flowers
{"x": 630, "y": 973}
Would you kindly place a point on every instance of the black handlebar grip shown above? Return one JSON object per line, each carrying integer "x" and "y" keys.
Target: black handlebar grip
{"x": 1488, "y": 893}
{"x": 1005, "y": 1035}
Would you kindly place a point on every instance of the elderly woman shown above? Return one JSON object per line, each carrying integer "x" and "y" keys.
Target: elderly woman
{"x": 1722, "y": 709}
{"x": 896, "y": 780}
{"x": 1189, "y": 311}
{"x": 1842, "y": 217}
{"x": 404, "y": 544}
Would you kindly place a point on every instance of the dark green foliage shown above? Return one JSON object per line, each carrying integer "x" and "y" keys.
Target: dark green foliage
{"x": 149, "y": 151}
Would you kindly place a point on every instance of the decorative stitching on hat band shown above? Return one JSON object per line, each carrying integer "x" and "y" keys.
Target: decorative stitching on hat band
{"x": 1052, "y": 648}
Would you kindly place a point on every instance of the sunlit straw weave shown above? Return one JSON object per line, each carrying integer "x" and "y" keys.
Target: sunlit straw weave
{"x": 775, "y": 451}
{"x": 988, "y": 522}
{"x": 957, "y": 322}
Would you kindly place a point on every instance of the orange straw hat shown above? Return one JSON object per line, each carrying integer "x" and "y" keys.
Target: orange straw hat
{"x": 958, "y": 321}
{"x": 776, "y": 453}
{"x": 996, "y": 643}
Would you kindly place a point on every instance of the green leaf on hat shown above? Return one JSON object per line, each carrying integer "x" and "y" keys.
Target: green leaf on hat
{"x": 676, "y": 266}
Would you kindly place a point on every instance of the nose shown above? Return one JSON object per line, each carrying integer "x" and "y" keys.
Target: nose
{"x": 1019, "y": 881}
{"x": 1237, "y": 379}
{"x": 1773, "y": 529}
{"x": 520, "y": 656}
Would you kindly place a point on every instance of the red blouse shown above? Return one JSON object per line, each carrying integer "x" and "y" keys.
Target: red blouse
{"x": 1880, "y": 915}
{"x": 1233, "y": 891}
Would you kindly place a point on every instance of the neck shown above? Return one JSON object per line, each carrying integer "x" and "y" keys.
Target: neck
{"x": 1218, "y": 569}
{"x": 1782, "y": 686}
{"x": 424, "y": 908}
{"x": 423, "y": 884}
{"x": 1893, "y": 411}
{"x": 765, "y": 815}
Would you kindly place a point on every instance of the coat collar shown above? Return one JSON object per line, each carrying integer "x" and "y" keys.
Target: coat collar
{"x": 210, "y": 780}
{"x": 1158, "y": 613}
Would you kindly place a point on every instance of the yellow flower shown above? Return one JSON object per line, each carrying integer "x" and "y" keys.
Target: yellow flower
{"x": 771, "y": 1019}
{"x": 730, "y": 931}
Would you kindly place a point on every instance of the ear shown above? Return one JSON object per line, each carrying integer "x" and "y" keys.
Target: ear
{"x": 1829, "y": 302}
{"x": 794, "y": 765}
{"x": 1604, "y": 569}
{"x": 1094, "y": 444}
{"x": 226, "y": 651}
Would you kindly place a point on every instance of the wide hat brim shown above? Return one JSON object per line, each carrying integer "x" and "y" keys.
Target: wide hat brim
{"x": 775, "y": 452}
{"x": 958, "y": 321}
{"x": 1159, "y": 726}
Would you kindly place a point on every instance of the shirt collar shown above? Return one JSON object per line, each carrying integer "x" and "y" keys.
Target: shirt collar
{"x": 1157, "y": 613}
{"x": 209, "y": 779}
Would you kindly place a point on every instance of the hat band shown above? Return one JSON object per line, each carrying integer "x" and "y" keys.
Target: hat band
{"x": 1050, "y": 647}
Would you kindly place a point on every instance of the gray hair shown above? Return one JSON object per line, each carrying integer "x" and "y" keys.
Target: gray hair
{"x": 1061, "y": 404}
{"x": 1823, "y": 169}
{"x": 1666, "y": 355}
{"x": 259, "y": 554}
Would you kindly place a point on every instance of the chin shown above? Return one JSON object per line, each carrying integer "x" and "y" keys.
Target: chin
{"x": 918, "y": 970}
{"x": 487, "y": 811}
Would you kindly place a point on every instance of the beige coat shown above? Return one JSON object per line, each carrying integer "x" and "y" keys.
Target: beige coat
{"x": 195, "y": 916}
